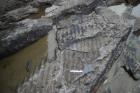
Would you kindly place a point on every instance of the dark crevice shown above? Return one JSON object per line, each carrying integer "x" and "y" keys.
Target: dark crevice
{"x": 137, "y": 32}
{"x": 129, "y": 73}
{"x": 126, "y": 1}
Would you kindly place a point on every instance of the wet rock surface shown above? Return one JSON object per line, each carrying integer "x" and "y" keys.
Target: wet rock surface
{"x": 24, "y": 33}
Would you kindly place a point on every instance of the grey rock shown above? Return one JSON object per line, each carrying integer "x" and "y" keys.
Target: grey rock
{"x": 97, "y": 40}
{"x": 42, "y": 3}
{"x": 75, "y": 29}
{"x": 136, "y": 11}
{"x": 114, "y": 2}
{"x": 18, "y": 14}
{"x": 132, "y": 54}
{"x": 117, "y": 2}
{"x": 119, "y": 81}
{"x": 24, "y": 33}
{"x": 73, "y": 6}
{"x": 7, "y": 5}
{"x": 5, "y": 25}
{"x": 137, "y": 24}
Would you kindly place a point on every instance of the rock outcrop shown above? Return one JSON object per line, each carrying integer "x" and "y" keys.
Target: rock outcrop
{"x": 125, "y": 74}
{"x": 22, "y": 34}
{"x": 85, "y": 39}
{"x": 19, "y": 28}
{"x": 86, "y": 47}
{"x": 18, "y": 14}
{"x": 115, "y": 2}
{"x": 7, "y": 5}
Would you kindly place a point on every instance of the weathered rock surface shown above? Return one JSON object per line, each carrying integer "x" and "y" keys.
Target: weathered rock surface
{"x": 24, "y": 33}
{"x": 7, "y": 5}
{"x": 73, "y": 6}
{"x": 18, "y": 14}
{"x": 136, "y": 11}
{"x": 114, "y": 2}
{"x": 18, "y": 29}
{"x": 132, "y": 52}
{"x": 125, "y": 73}
{"x": 119, "y": 81}
{"x": 83, "y": 44}
{"x": 87, "y": 43}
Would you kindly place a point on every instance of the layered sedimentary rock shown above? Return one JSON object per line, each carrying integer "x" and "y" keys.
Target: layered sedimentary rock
{"x": 125, "y": 74}
{"x": 84, "y": 41}
{"x": 18, "y": 14}
{"x": 19, "y": 28}
{"x": 7, "y": 5}
{"x": 57, "y": 10}
{"x": 22, "y": 34}
{"x": 87, "y": 47}
{"x": 115, "y": 2}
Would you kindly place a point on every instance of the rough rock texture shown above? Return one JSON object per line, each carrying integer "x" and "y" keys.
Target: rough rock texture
{"x": 22, "y": 34}
{"x": 18, "y": 14}
{"x": 125, "y": 74}
{"x": 7, "y": 5}
{"x": 73, "y": 6}
{"x": 132, "y": 52}
{"x": 83, "y": 44}
{"x": 119, "y": 81}
{"x": 18, "y": 29}
{"x": 88, "y": 43}
{"x": 115, "y": 2}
